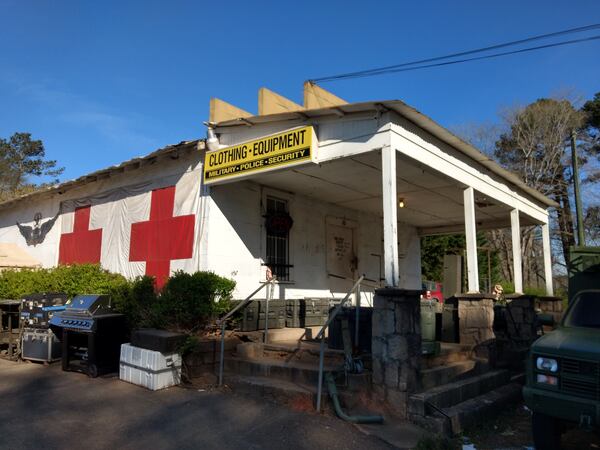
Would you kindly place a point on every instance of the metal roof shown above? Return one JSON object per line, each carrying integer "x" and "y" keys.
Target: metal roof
{"x": 171, "y": 151}
{"x": 411, "y": 114}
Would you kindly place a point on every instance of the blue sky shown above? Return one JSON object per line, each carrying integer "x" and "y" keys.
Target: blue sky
{"x": 101, "y": 82}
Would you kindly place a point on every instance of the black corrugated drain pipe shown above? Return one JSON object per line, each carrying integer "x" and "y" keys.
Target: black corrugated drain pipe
{"x": 331, "y": 387}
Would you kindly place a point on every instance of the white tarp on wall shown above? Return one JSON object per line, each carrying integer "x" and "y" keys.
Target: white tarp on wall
{"x": 150, "y": 227}
{"x": 147, "y": 221}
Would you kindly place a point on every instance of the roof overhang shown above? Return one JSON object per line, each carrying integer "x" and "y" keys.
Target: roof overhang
{"x": 168, "y": 152}
{"x": 409, "y": 113}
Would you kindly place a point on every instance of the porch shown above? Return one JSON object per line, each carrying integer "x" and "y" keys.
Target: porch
{"x": 382, "y": 175}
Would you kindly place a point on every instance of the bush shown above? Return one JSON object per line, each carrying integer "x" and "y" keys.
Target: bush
{"x": 72, "y": 280}
{"x": 189, "y": 301}
{"x": 186, "y": 303}
{"x": 140, "y": 303}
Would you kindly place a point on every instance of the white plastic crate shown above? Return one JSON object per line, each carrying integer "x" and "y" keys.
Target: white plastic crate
{"x": 148, "y": 368}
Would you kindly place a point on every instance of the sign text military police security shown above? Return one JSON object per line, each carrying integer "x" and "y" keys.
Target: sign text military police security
{"x": 283, "y": 149}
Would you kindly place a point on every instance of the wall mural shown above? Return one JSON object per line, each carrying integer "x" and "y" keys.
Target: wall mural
{"x": 35, "y": 235}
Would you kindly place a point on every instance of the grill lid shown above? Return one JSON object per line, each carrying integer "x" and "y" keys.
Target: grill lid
{"x": 91, "y": 305}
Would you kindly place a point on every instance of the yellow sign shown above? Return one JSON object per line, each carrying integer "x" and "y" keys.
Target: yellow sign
{"x": 268, "y": 153}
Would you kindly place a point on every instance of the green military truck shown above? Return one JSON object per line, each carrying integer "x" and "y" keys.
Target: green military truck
{"x": 563, "y": 368}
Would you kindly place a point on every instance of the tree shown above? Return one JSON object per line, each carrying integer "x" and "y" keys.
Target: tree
{"x": 433, "y": 249}
{"x": 535, "y": 147}
{"x": 534, "y": 143}
{"x": 21, "y": 160}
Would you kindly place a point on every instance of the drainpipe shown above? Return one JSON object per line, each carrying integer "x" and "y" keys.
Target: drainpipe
{"x": 331, "y": 387}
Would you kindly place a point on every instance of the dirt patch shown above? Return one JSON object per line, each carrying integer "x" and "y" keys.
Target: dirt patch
{"x": 302, "y": 403}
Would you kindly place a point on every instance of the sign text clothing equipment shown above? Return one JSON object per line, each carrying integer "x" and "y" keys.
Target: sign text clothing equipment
{"x": 279, "y": 150}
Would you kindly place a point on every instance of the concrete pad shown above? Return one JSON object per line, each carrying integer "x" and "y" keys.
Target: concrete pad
{"x": 43, "y": 407}
{"x": 398, "y": 433}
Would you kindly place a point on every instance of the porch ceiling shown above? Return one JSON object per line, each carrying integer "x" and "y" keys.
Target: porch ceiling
{"x": 432, "y": 200}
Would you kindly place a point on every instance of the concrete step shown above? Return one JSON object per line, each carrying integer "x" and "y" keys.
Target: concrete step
{"x": 295, "y": 371}
{"x": 451, "y": 394}
{"x": 437, "y": 376}
{"x": 287, "y": 335}
{"x": 306, "y": 352}
{"x": 449, "y": 353}
{"x": 455, "y": 419}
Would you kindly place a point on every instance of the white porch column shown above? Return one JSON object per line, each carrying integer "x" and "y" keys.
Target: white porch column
{"x": 471, "y": 238}
{"x": 390, "y": 217}
{"x": 515, "y": 228}
{"x": 547, "y": 251}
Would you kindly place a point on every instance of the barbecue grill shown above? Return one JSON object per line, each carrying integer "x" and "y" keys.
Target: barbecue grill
{"x": 91, "y": 334}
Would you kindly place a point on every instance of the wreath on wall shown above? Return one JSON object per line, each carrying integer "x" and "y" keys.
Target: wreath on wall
{"x": 278, "y": 223}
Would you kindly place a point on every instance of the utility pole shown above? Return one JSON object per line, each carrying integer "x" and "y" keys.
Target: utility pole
{"x": 577, "y": 191}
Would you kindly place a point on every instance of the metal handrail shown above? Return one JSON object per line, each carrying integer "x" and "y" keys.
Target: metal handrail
{"x": 223, "y": 321}
{"x": 321, "y": 335}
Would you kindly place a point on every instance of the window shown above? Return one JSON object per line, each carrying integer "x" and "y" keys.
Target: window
{"x": 278, "y": 238}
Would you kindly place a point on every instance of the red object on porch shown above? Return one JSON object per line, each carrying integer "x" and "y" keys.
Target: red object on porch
{"x": 82, "y": 245}
{"x": 163, "y": 237}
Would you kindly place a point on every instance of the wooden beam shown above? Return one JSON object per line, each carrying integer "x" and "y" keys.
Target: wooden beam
{"x": 390, "y": 217}
{"x": 270, "y": 102}
{"x": 316, "y": 97}
{"x": 221, "y": 111}
{"x": 471, "y": 238}
{"x": 547, "y": 250}
{"x": 515, "y": 228}
{"x": 459, "y": 228}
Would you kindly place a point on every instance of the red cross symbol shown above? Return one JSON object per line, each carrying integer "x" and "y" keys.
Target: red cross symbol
{"x": 163, "y": 237}
{"x": 82, "y": 245}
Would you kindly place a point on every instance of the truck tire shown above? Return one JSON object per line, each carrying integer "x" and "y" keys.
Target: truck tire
{"x": 546, "y": 432}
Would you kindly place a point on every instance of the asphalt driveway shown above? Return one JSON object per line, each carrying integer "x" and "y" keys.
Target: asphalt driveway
{"x": 45, "y": 408}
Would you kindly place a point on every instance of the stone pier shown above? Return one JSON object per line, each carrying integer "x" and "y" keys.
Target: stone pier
{"x": 475, "y": 318}
{"x": 396, "y": 346}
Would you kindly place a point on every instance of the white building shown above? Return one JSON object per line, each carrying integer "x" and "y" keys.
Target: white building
{"x": 315, "y": 197}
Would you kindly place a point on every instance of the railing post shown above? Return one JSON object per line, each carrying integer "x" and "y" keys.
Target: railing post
{"x": 357, "y": 316}
{"x": 269, "y": 293}
{"x": 222, "y": 359}
{"x": 321, "y": 364}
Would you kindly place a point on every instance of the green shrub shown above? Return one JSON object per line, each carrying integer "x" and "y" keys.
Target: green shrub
{"x": 72, "y": 280}
{"x": 186, "y": 303}
{"x": 189, "y": 301}
{"x": 140, "y": 304}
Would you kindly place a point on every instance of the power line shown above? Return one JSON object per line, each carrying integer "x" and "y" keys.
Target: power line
{"x": 495, "y": 55}
{"x": 404, "y": 66}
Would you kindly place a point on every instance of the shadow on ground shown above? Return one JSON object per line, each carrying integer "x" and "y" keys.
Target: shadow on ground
{"x": 45, "y": 408}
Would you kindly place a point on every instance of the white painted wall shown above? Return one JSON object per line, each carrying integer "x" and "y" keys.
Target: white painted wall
{"x": 237, "y": 239}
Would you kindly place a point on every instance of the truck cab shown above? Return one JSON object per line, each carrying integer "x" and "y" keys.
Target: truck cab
{"x": 563, "y": 373}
